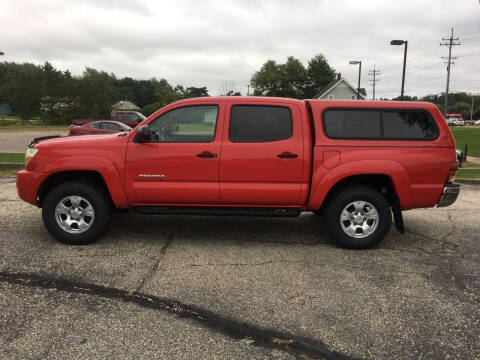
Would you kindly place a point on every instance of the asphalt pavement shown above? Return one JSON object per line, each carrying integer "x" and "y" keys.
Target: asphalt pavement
{"x": 177, "y": 287}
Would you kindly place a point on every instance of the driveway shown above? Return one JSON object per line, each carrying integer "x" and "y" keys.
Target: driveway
{"x": 235, "y": 288}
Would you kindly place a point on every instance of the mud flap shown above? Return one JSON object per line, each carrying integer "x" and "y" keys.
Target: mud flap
{"x": 397, "y": 216}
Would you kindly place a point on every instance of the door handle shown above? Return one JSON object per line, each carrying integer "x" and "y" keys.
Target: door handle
{"x": 206, "y": 154}
{"x": 287, "y": 155}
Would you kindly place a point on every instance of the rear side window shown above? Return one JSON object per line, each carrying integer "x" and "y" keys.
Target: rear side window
{"x": 352, "y": 124}
{"x": 256, "y": 123}
{"x": 379, "y": 124}
{"x": 409, "y": 125}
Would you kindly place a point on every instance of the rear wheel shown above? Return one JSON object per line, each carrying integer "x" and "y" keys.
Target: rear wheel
{"x": 76, "y": 213}
{"x": 358, "y": 217}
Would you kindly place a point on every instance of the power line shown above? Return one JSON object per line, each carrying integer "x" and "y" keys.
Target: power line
{"x": 450, "y": 42}
{"x": 374, "y": 80}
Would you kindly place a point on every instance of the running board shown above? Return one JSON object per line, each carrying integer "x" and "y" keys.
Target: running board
{"x": 222, "y": 211}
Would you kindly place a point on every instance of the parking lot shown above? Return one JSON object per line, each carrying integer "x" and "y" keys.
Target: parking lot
{"x": 240, "y": 288}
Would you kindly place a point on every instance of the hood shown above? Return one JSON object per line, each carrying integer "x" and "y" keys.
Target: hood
{"x": 90, "y": 141}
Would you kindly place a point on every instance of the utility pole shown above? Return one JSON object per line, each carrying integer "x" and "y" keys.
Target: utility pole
{"x": 451, "y": 41}
{"x": 471, "y": 107}
{"x": 374, "y": 73}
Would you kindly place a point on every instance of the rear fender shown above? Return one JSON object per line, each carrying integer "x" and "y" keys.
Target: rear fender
{"x": 325, "y": 179}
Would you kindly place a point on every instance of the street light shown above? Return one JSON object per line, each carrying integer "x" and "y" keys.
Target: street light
{"x": 355, "y": 62}
{"x": 401, "y": 42}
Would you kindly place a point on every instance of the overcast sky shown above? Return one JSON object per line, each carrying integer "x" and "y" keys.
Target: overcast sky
{"x": 207, "y": 42}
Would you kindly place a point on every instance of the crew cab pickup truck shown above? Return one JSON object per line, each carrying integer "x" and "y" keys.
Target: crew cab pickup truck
{"x": 129, "y": 118}
{"x": 354, "y": 162}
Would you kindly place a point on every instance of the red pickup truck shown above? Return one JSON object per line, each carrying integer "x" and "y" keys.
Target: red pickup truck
{"x": 355, "y": 162}
{"x": 129, "y": 118}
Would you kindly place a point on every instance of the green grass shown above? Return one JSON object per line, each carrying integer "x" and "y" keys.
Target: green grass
{"x": 468, "y": 135}
{"x": 8, "y": 173}
{"x": 468, "y": 174}
{"x": 12, "y": 157}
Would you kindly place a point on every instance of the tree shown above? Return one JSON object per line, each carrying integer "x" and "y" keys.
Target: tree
{"x": 33, "y": 90}
{"x": 195, "y": 92}
{"x": 292, "y": 79}
{"x": 319, "y": 75}
{"x": 267, "y": 81}
{"x": 25, "y": 90}
{"x": 460, "y": 108}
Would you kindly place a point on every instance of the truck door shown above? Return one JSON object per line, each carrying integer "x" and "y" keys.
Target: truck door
{"x": 262, "y": 155}
{"x": 180, "y": 163}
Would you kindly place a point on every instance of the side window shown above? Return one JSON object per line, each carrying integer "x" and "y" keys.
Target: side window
{"x": 352, "y": 124}
{"x": 409, "y": 125}
{"x": 133, "y": 117}
{"x": 256, "y": 123}
{"x": 120, "y": 116}
{"x": 109, "y": 126}
{"x": 187, "y": 124}
{"x": 95, "y": 125}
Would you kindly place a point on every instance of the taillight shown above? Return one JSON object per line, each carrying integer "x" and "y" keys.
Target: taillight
{"x": 453, "y": 169}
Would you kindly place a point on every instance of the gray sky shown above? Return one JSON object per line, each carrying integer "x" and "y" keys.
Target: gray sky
{"x": 207, "y": 42}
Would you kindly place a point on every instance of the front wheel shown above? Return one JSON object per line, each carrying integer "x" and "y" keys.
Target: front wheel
{"x": 358, "y": 217}
{"x": 76, "y": 213}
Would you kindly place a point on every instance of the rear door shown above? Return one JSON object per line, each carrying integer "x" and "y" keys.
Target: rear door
{"x": 180, "y": 163}
{"x": 262, "y": 155}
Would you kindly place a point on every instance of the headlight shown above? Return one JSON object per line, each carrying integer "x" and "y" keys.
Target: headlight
{"x": 29, "y": 154}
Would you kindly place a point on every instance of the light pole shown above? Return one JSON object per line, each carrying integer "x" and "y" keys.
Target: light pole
{"x": 401, "y": 42}
{"x": 355, "y": 62}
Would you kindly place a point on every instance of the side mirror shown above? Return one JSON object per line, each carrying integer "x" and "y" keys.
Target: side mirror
{"x": 143, "y": 134}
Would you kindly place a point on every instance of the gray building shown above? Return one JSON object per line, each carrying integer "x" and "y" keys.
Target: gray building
{"x": 340, "y": 89}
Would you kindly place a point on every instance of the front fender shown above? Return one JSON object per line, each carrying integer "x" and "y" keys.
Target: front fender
{"x": 324, "y": 179}
{"x": 103, "y": 166}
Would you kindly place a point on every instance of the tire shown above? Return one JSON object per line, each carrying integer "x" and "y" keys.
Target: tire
{"x": 76, "y": 213}
{"x": 366, "y": 217}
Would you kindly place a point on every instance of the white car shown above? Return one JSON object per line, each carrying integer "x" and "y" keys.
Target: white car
{"x": 477, "y": 122}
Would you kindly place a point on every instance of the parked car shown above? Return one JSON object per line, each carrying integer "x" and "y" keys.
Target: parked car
{"x": 455, "y": 119}
{"x": 130, "y": 118}
{"x": 459, "y": 156}
{"x": 354, "y": 162}
{"x": 98, "y": 128}
{"x": 477, "y": 122}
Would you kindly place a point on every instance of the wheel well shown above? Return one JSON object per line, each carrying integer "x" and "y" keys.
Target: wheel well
{"x": 382, "y": 183}
{"x": 92, "y": 177}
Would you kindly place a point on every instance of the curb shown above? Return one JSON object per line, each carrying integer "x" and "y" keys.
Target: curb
{"x": 11, "y": 166}
{"x": 468, "y": 181}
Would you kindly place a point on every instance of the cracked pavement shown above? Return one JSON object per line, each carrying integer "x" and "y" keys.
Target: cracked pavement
{"x": 234, "y": 288}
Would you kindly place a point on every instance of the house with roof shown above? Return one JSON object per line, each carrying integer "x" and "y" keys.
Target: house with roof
{"x": 125, "y": 105}
{"x": 341, "y": 89}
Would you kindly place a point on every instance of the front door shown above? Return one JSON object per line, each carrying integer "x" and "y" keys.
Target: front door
{"x": 262, "y": 157}
{"x": 180, "y": 163}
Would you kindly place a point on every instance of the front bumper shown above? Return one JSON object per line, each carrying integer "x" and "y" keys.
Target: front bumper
{"x": 28, "y": 184}
{"x": 449, "y": 194}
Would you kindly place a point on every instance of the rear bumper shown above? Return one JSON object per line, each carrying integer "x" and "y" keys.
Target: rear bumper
{"x": 449, "y": 194}
{"x": 28, "y": 184}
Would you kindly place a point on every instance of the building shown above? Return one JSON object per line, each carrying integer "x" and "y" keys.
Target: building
{"x": 125, "y": 105}
{"x": 340, "y": 89}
